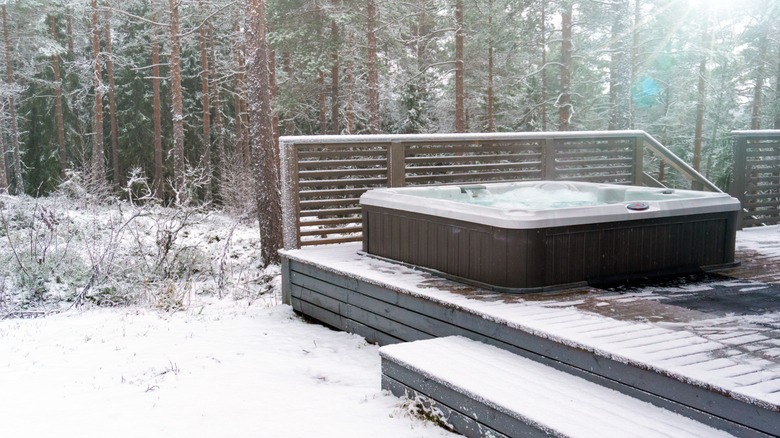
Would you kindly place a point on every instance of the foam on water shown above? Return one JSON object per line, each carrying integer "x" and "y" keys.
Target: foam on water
{"x": 532, "y": 198}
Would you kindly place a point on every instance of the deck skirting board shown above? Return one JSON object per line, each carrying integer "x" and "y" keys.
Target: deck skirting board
{"x": 354, "y": 313}
{"x": 385, "y": 316}
{"x": 335, "y": 320}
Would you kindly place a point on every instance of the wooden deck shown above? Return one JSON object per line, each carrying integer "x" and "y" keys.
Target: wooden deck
{"x": 707, "y": 347}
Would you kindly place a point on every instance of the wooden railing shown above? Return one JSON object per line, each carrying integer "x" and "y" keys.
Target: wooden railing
{"x": 324, "y": 176}
{"x": 756, "y": 176}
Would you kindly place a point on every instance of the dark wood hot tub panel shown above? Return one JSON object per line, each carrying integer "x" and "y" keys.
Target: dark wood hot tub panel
{"x": 550, "y": 257}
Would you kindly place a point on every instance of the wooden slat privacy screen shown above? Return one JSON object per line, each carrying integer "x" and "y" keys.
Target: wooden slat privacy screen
{"x": 324, "y": 176}
{"x": 756, "y": 176}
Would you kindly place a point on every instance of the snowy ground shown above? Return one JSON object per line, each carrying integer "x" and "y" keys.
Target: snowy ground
{"x": 203, "y": 349}
{"x": 221, "y": 368}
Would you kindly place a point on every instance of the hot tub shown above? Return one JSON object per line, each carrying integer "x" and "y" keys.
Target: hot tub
{"x": 548, "y": 235}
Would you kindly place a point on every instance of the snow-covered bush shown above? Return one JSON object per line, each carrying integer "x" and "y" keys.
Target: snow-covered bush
{"x": 236, "y": 191}
{"x": 38, "y": 256}
{"x": 74, "y": 248}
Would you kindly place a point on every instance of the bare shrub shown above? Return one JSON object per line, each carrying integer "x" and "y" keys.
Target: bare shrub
{"x": 169, "y": 296}
{"x": 85, "y": 189}
{"x": 81, "y": 246}
{"x": 235, "y": 190}
{"x": 38, "y": 241}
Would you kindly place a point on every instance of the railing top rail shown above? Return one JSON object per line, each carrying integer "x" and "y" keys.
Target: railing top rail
{"x": 757, "y": 133}
{"x": 463, "y": 137}
{"x": 679, "y": 164}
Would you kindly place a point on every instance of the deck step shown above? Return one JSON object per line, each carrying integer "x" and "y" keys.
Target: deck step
{"x": 481, "y": 390}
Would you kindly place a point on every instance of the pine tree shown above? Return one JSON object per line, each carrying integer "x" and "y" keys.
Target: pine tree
{"x": 264, "y": 154}
{"x": 159, "y": 177}
{"x": 177, "y": 98}
{"x": 58, "y": 111}
{"x": 17, "y": 186}
{"x": 460, "y": 93}
{"x": 98, "y": 168}
{"x": 373, "y": 72}
{"x": 205, "y": 160}
{"x": 564, "y": 98}
{"x": 116, "y": 171}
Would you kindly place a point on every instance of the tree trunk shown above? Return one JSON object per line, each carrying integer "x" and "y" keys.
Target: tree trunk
{"x": 17, "y": 186}
{"x": 78, "y": 141}
{"x": 247, "y": 152}
{"x": 564, "y": 99}
{"x": 239, "y": 120}
{"x": 543, "y": 91}
{"x": 491, "y": 119}
{"x": 274, "y": 94}
{"x": 221, "y": 156}
{"x": 460, "y": 115}
{"x": 776, "y": 124}
{"x": 289, "y": 127}
{"x": 665, "y": 127}
{"x": 700, "y": 98}
{"x": 240, "y": 104}
{"x": 265, "y": 172}
{"x": 69, "y": 30}
{"x": 3, "y": 174}
{"x": 755, "y": 120}
{"x": 323, "y": 99}
{"x": 55, "y": 60}
{"x": 349, "y": 113}
{"x": 112, "y": 112}
{"x": 635, "y": 41}
{"x": 205, "y": 158}
{"x": 422, "y": 33}
{"x": 620, "y": 68}
{"x": 159, "y": 177}
{"x": 98, "y": 171}
{"x": 335, "y": 71}
{"x": 177, "y": 109}
{"x": 373, "y": 72}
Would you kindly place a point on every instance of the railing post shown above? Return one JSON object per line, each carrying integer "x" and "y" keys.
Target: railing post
{"x": 286, "y": 284}
{"x": 548, "y": 159}
{"x": 396, "y": 165}
{"x": 291, "y": 201}
{"x": 737, "y": 187}
{"x": 639, "y": 166}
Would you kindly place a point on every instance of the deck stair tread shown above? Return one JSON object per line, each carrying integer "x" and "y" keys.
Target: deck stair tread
{"x": 527, "y": 393}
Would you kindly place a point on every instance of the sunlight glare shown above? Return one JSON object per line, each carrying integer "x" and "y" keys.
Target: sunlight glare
{"x": 714, "y": 4}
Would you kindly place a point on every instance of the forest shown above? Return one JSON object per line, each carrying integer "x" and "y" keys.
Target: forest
{"x": 169, "y": 91}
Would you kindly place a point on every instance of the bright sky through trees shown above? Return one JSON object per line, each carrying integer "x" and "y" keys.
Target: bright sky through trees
{"x": 715, "y": 4}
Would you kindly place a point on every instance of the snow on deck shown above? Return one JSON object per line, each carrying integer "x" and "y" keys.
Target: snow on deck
{"x": 669, "y": 329}
{"x": 549, "y": 399}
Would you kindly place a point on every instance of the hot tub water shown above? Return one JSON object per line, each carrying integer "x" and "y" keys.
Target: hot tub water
{"x": 547, "y": 195}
